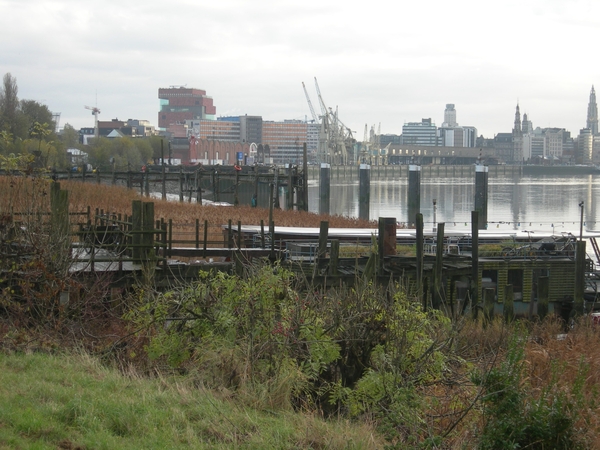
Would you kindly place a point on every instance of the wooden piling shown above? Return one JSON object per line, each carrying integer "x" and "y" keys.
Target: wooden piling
{"x": 324, "y": 188}
{"x": 481, "y": 194}
{"x": 364, "y": 191}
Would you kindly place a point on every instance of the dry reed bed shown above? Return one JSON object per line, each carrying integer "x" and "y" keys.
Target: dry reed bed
{"x": 18, "y": 192}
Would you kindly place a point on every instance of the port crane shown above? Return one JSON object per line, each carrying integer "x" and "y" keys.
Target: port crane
{"x": 335, "y": 139}
{"x": 95, "y": 111}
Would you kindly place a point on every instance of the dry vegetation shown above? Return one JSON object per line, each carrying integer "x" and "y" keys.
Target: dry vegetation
{"x": 453, "y": 410}
{"x": 118, "y": 200}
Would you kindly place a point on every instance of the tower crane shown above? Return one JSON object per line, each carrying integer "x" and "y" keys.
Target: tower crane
{"x": 95, "y": 111}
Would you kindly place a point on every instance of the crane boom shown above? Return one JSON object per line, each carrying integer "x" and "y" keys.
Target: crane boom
{"x": 312, "y": 110}
{"x": 321, "y": 102}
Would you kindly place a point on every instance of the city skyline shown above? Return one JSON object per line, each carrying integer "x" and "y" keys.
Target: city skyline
{"x": 385, "y": 64}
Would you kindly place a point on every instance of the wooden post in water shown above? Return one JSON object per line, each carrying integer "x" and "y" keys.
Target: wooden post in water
{"x": 322, "y": 248}
{"x": 181, "y": 184}
{"x": 386, "y": 240}
{"x": 136, "y": 229}
{"x": 419, "y": 244}
{"x": 324, "y": 188}
{"x": 148, "y": 232}
{"x": 543, "y": 296}
{"x": 205, "y": 238}
{"x": 164, "y": 177}
{"x": 414, "y": 190}
{"x": 364, "y": 191}
{"x": 334, "y": 257}
{"x": 254, "y": 202}
{"x": 199, "y": 186}
{"x": 481, "y": 194}
{"x": 290, "y": 188}
{"x": 579, "y": 277}
{"x": 474, "y": 291}
{"x": 437, "y": 294}
{"x": 304, "y": 178}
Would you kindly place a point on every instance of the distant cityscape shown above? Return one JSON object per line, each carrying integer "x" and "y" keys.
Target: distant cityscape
{"x": 187, "y": 118}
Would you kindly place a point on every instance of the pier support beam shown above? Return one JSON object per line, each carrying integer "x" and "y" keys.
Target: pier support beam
{"x": 481, "y": 194}
{"x": 324, "y": 188}
{"x": 364, "y": 191}
{"x": 386, "y": 237}
{"x": 414, "y": 192}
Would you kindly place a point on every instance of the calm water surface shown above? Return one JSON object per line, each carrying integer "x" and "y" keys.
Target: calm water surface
{"x": 544, "y": 203}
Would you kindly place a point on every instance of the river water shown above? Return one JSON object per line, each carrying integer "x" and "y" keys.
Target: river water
{"x": 541, "y": 202}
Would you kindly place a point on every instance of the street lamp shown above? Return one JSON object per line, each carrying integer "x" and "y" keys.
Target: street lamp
{"x": 434, "y": 215}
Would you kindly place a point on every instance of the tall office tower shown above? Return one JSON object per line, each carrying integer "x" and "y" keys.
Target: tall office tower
{"x": 592, "y": 113}
{"x": 449, "y": 116}
{"x": 527, "y": 126}
{"x": 420, "y": 133}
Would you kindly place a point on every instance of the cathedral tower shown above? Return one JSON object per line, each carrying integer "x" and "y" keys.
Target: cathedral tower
{"x": 592, "y": 113}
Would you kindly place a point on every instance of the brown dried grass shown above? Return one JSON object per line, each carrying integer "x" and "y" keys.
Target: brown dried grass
{"x": 118, "y": 200}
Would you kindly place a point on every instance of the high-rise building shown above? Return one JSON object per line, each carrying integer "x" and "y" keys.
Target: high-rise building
{"x": 420, "y": 133}
{"x": 286, "y": 140}
{"x": 592, "y": 113}
{"x": 585, "y": 145}
{"x": 450, "y": 116}
{"x": 178, "y": 104}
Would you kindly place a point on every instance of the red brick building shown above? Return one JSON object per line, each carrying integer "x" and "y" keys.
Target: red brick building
{"x": 178, "y": 104}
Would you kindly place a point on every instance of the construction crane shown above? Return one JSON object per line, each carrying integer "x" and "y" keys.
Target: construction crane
{"x": 337, "y": 136}
{"x": 312, "y": 110}
{"x": 95, "y": 111}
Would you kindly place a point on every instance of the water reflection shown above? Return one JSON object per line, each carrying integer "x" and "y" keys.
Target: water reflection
{"x": 531, "y": 202}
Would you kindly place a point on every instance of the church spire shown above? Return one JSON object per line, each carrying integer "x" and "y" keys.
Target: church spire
{"x": 592, "y": 113}
{"x": 517, "y": 127}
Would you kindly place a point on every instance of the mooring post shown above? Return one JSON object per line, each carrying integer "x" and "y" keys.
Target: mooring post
{"x": 181, "y": 184}
{"x": 236, "y": 200}
{"x": 438, "y": 288}
{"x": 324, "y": 188}
{"x": 205, "y": 238}
{"x": 334, "y": 257}
{"x": 414, "y": 190}
{"x": 474, "y": 263}
{"x": 419, "y": 262}
{"x": 199, "y": 186}
{"x": 148, "y": 229}
{"x": 254, "y": 202}
{"x": 136, "y": 229}
{"x": 481, "y": 194}
{"x": 290, "y": 186}
{"x": 386, "y": 240}
{"x": 304, "y": 178}
{"x": 364, "y": 191}
{"x": 322, "y": 248}
{"x": 162, "y": 163}
{"x": 579, "y": 277}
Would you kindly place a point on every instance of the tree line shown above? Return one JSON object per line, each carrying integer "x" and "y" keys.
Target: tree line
{"x": 27, "y": 127}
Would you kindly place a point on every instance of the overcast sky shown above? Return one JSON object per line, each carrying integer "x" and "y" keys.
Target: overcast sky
{"x": 379, "y": 62}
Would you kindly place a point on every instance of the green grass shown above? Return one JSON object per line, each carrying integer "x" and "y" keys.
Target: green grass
{"x": 72, "y": 401}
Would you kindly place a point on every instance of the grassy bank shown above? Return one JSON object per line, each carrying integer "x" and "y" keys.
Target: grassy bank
{"x": 72, "y": 401}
